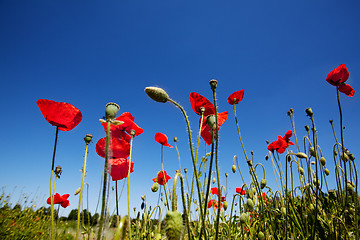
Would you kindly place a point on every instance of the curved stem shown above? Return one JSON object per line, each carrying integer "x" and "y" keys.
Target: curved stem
{"x": 238, "y": 129}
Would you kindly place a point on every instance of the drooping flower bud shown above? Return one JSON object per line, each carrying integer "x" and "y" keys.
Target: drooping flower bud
{"x": 173, "y": 225}
{"x": 322, "y": 161}
{"x": 214, "y": 180}
{"x": 250, "y": 204}
{"x": 307, "y": 128}
{"x": 157, "y": 94}
{"x": 312, "y": 151}
{"x": 327, "y": 172}
{"x": 226, "y": 174}
{"x": 261, "y": 235}
{"x": 301, "y": 171}
{"x": 185, "y": 170}
{"x": 111, "y": 110}
{"x": 351, "y": 156}
{"x": 283, "y": 210}
{"x": 243, "y": 218}
{"x": 316, "y": 182}
{"x": 301, "y": 155}
{"x": 263, "y": 183}
{"x": 233, "y": 168}
{"x": 225, "y": 205}
{"x": 77, "y": 191}
{"x": 344, "y": 157}
{"x": 155, "y": 187}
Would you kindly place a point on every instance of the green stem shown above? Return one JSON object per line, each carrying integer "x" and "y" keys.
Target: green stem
{"x": 238, "y": 129}
{"x": 51, "y": 177}
{"x": 128, "y": 182}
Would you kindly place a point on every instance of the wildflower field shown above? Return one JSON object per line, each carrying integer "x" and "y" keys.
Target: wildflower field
{"x": 194, "y": 202}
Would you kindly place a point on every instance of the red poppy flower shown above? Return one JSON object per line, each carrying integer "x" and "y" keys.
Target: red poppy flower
{"x": 214, "y": 203}
{"x": 240, "y": 191}
{"x": 215, "y": 190}
{"x": 160, "y": 178}
{"x": 198, "y": 101}
{"x": 60, "y": 114}
{"x": 122, "y": 131}
{"x": 162, "y": 139}
{"x": 62, "y": 200}
{"x": 282, "y": 143}
{"x": 338, "y": 77}
{"x": 119, "y": 168}
{"x": 236, "y": 97}
{"x": 119, "y": 148}
{"x": 205, "y": 130}
{"x": 264, "y": 197}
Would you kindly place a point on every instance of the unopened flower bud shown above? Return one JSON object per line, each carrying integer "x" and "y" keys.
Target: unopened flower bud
{"x": 243, "y": 218}
{"x": 283, "y": 210}
{"x": 261, "y": 235}
{"x": 77, "y": 191}
{"x": 312, "y": 151}
{"x": 351, "y": 157}
{"x": 58, "y": 171}
{"x": 225, "y": 205}
{"x": 266, "y": 157}
{"x": 155, "y": 187}
{"x": 312, "y": 162}
{"x": 142, "y": 205}
{"x": 250, "y": 204}
{"x": 185, "y": 170}
{"x": 263, "y": 183}
{"x": 157, "y": 94}
{"x": 249, "y": 162}
{"x": 307, "y": 128}
{"x": 233, "y": 168}
{"x": 301, "y": 155}
{"x": 309, "y": 112}
{"x": 173, "y": 225}
{"x": 322, "y": 161}
{"x": 143, "y": 197}
{"x": 327, "y": 172}
{"x": 111, "y": 110}
{"x": 316, "y": 182}
{"x": 88, "y": 138}
{"x": 175, "y": 139}
{"x": 214, "y": 180}
{"x": 226, "y": 174}
{"x": 301, "y": 171}
{"x": 344, "y": 157}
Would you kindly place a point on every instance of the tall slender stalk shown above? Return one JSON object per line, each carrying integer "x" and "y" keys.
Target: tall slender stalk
{"x": 51, "y": 183}
{"x": 128, "y": 182}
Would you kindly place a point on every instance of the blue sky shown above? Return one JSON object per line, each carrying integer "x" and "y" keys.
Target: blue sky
{"x": 89, "y": 53}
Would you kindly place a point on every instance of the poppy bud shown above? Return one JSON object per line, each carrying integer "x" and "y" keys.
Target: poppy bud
{"x": 266, "y": 157}
{"x": 77, "y": 191}
{"x": 157, "y": 94}
{"x": 214, "y": 180}
{"x": 233, "y": 168}
{"x": 226, "y": 174}
{"x": 58, "y": 171}
{"x": 263, "y": 183}
{"x": 225, "y": 205}
{"x": 323, "y": 161}
{"x": 132, "y": 132}
{"x": 158, "y": 236}
{"x": 213, "y": 84}
{"x": 243, "y": 218}
{"x": 173, "y": 225}
{"x": 307, "y": 128}
{"x": 250, "y": 204}
{"x": 301, "y": 171}
{"x": 316, "y": 182}
{"x": 309, "y": 112}
{"x": 327, "y": 172}
{"x": 155, "y": 187}
{"x": 344, "y": 157}
{"x": 311, "y": 207}
{"x": 312, "y": 151}
{"x": 291, "y": 110}
{"x": 143, "y": 197}
{"x": 261, "y": 236}
{"x": 88, "y": 138}
{"x": 249, "y": 162}
{"x": 351, "y": 156}
{"x": 283, "y": 210}
{"x": 301, "y": 155}
{"x": 165, "y": 203}
{"x": 111, "y": 110}
{"x": 142, "y": 205}
{"x": 211, "y": 121}
{"x": 175, "y": 139}
{"x": 185, "y": 170}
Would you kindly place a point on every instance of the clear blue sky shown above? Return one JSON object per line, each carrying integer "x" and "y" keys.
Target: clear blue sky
{"x": 89, "y": 53}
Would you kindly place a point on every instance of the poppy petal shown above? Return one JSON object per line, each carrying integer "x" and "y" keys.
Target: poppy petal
{"x": 60, "y": 114}
{"x": 215, "y": 191}
{"x": 119, "y": 168}
{"x": 118, "y": 148}
{"x": 347, "y": 89}
{"x": 205, "y": 131}
{"x": 236, "y": 97}
{"x": 338, "y": 75}
{"x": 197, "y": 101}
{"x": 162, "y": 139}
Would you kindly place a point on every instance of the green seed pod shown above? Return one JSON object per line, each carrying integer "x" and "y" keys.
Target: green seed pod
{"x": 173, "y": 225}
{"x": 88, "y": 138}
{"x": 157, "y": 94}
{"x": 327, "y": 172}
{"x": 233, "y": 168}
{"x": 323, "y": 161}
{"x": 211, "y": 121}
{"x": 225, "y": 205}
{"x": 263, "y": 183}
{"x": 250, "y": 204}
{"x": 243, "y": 218}
{"x": 111, "y": 110}
{"x": 283, "y": 210}
{"x": 301, "y": 155}
{"x": 344, "y": 157}
{"x": 155, "y": 187}
{"x": 312, "y": 151}
{"x": 261, "y": 236}
{"x": 301, "y": 171}
{"x": 309, "y": 112}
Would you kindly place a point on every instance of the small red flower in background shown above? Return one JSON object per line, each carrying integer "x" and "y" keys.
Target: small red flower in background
{"x": 119, "y": 148}
{"x": 215, "y": 191}
{"x": 240, "y": 191}
{"x": 205, "y": 130}
{"x": 60, "y": 114}
{"x": 223, "y": 199}
{"x": 122, "y": 131}
{"x": 264, "y": 197}
{"x": 119, "y": 168}
{"x": 162, "y": 139}
{"x": 198, "y": 101}
{"x": 236, "y": 97}
{"x": 338, "y": 77}
{"x": 62, "y": 200}
{"x": 160, "y": 178}
{"x": 282, "y": 143}
{"x": 214, "y": 203}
